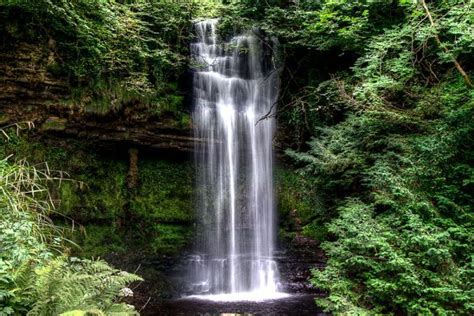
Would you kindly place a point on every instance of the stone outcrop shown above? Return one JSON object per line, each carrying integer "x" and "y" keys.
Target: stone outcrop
{"x": 25, "y": 80}
{"x": 30, "y": 92}
{"x": 301, "y": 255}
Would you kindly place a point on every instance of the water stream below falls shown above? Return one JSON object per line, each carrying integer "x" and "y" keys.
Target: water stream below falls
{"x": 235, "y": 84}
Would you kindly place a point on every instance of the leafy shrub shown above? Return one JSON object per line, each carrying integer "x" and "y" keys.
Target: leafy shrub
{"x": 35, "y": 277}
{"x": 386, "y": 117}
{"x": 398, "y": 209}
{"x": 113, "y": 53}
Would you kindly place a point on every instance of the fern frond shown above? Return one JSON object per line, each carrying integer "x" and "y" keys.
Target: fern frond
{"x": 80, "y": 285}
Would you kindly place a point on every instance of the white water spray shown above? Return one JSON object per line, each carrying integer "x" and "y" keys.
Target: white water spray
{"x": 234, "y": 86}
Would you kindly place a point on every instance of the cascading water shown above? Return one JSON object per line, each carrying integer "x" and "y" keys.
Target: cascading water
{"x": 235, "y": 84}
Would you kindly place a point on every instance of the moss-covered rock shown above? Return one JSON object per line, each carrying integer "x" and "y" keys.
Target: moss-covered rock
{"x": 155, "y": 217}
{"x": 4, "y": 118}
{"x": 296, "y": 205}
{"x": 164, "y": 192}
{"x": 54, "y": 123}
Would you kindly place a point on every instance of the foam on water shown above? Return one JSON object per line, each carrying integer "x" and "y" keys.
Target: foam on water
{"x": 259, "y": 296}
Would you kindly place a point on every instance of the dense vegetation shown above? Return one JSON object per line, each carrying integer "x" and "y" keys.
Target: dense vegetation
{"x": 375, "y": 113}
{"x": 37, "y": 276}
{"x": 380, "y": 96}
{"x": 154, "y": 217}
{"x": 112, "y": 52}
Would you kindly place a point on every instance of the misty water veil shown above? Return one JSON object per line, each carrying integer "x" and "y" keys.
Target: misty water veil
{"x": 235, "y": 84}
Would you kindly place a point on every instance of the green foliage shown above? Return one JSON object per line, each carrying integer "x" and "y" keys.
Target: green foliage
{"x": 35, "y": 278}
{"x": 114, "y": 218}
{"x": 385, "y": 181}
{"x": 398, "y": 245}
{"x": 114, "y": 53}
{"x": 296, "y": 202}
{"x": 25, "y": 205}
{"x": 62, "y": 286}
{"x": 167, "y": 238}
{"x": 396, "y": 187}
{"x": 386, "y": 174}
{"x": 394, "y": 260}
{"x": 98, "y": 240}
{"x": 206, "y": 8}
{"x": 322, "y": 25}
{"x": 164, "y": 193}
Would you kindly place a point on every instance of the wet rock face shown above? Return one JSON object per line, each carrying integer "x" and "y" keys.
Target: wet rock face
{"x": 29, "y": 91}
{"x": 296, "y": 262}
{"x": 24, "y": 77}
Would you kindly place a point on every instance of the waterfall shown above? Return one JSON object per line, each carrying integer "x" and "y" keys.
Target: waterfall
{"x": 234, "y": 85}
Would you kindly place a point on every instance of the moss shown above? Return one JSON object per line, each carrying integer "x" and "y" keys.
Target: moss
{"x": 296, "y": 202}
{"x": 98, "y": 191}
{"x": 185, "y": 120}
{"x": 69, "y": 197}
{"x": 155, "y": 217}
{"x": 96, "y": 240}
{"x": 292, "y": 195}
{"x": 54, "y": 124}
{"x": 165, "y": 191}
{"x": 4, "y": 119}
{"x": 169, "y": 238}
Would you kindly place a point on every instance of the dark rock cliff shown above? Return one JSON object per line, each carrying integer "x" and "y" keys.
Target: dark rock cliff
{"x": 29, "y": 91}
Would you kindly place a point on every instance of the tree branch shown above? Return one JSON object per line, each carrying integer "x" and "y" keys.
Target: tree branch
{"x": 446, "y": 50}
